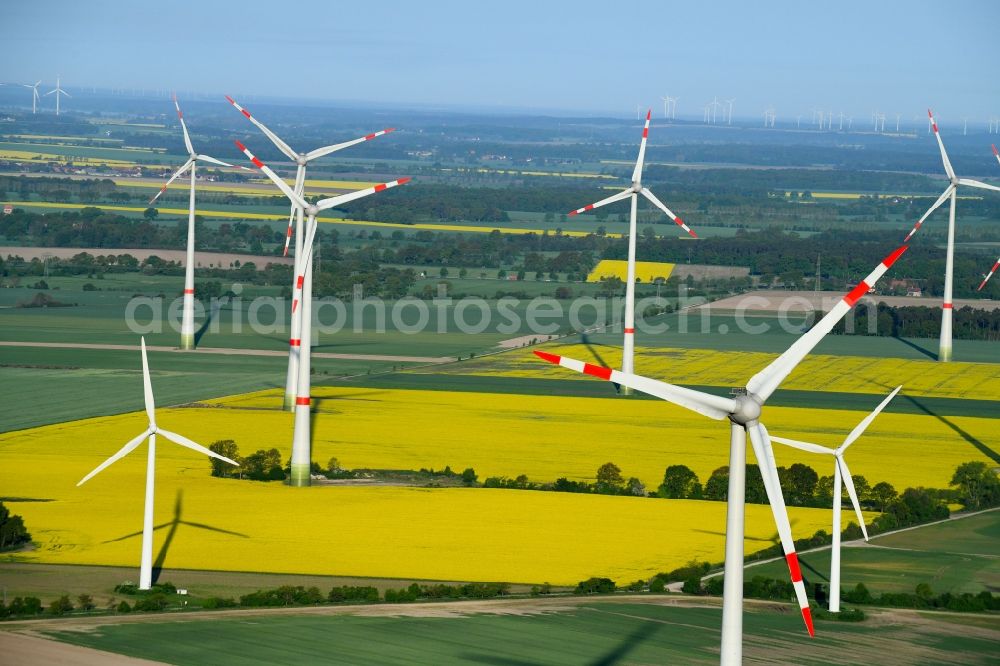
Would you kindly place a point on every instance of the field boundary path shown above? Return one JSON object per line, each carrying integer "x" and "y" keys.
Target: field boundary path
{"x": 229, "y": 351}
{"x": 28, "y": 648}
{"x": 853, "y": 543}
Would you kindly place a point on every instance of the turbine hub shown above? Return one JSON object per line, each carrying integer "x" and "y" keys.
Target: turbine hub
{"x": 747, "y": 409}
{"x": 301, "y": 160}
{"x": 312, "y": 211}
{"x": 636, "y": 186}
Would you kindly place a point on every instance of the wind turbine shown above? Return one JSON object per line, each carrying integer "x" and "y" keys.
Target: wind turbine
{"x": 58, "y": 91}
{"x": 950, "y": 192}
{"x": 730, "y": 102}
{"x": 986, "y": 278}
{"x": 187, "y": 315}
{"x": 295, "y": 216}
{"x": 632, "y": 193}
{"x": 841, "y": 477}
{"x": 34, "y": 95}
{"x": 744, "y": 413}
{"x": 146, "y": 565}
{"x": 301, "y": 437}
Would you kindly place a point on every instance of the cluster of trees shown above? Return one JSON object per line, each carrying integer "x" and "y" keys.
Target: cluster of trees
{"x": 441, "y": 591}
{"x": 800, "y": 484}
{"x": 13, "y": 533}
{"x": 299, "y": 595}
{"x": 262, "y": 465}
{"x": 924, "y": 322}
{"x": 609, "y": 481}
{"x": 923, "y": 597}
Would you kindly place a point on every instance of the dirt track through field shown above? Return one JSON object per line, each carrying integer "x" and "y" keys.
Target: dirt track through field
{"x": 228, "y": 351}
{"x": 30, "y": 649}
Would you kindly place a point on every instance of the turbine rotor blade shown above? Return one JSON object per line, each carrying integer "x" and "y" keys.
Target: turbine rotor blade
{"x": 637, "y": 172}
{"x": 206, "y": 158}
{"x": 765, "y": 460}
{"x": 326, "y": 150}
{"x": 976, "y": 183}
{"x": 333, "y": 202}
{"x": 865, "y": 422}
{"x": 275, "y": 178}
{"x": 275, "y": 139}
{"x": 187, "y": 138}
{"x": 659, "y": 204}
{"x": 147, "y": 388}
{"x": 940, "y": 200}
{"x": 122, "y": 452}
{"x": 184, "y": 441}
{"x": 624, "y": 194}
{"x": 803, "y": 446}
{"x": 765, "y": 382}
{"x": 712, "y": 406}
{"x": 944, "y": 154}
{"x": 852, "y": 493}
{"x": 177, "y": 174}
{"x": 987, "y": 277}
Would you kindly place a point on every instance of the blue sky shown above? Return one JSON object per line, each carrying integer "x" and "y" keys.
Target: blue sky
{"x": 582, "y": 56}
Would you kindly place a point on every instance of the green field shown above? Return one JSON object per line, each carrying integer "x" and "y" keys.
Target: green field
{"x": 954, "y": 556}
{"x": 523, "y": 633}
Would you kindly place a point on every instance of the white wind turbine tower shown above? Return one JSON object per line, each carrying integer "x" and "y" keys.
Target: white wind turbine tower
{"x": 632, "y": 193}
{"x": 34, "y": 95}
{"x": 146, "y": 565}
{"x": 187, "y": 315}
{"x": 301, "y": 436}
{"x": 295, "y": 217}
{"x": 841, "y": 477}
{"x": 986, "y": 278}
{"x": 950, "y": 192}
{"x": 669, "y": 107}
{"x": 730, "y": 102}
{"x": 58, "y": 91}
{"x": 743, "y": 411}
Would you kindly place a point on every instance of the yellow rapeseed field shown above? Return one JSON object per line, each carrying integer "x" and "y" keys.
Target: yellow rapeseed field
{"x": 547, "y": 437}
{"x": 464, "y": 534}
{"x": 850, "y": 374}
{"x": 645, "y": 271}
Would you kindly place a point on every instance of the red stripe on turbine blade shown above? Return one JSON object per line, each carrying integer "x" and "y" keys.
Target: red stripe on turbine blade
{"x": 649, "y": 114}
{"x": 589, "y": 207}
{"x": 404, "y": 180}
{"x": 257, "y": 163}
{"x": 295, "y": 342}
{"x": 298, "y": 282}
{"x": 629, "y": 331}
{"x": 574, "y": 212}
{"x": 380, "y": 187}
{"x": 995, "y": 151}
{"x": 302, "y": 401}
{"x": 948, "y": 306}
{"x": 289, "y": 234}
{"x": 934, "y": 125}
{"x": 860, "y": 290}
{"x": 891, "y": 259}
{"x": 245, "y": 112}
{"x": 239, "y": 144}
{"x": 981, "y": 285}
{"x": 545, "y": 356}
{"x": 597, "y": 371}
{"x": 369, "y": 137}
{"x": 807, "y": 617}
{"x": 189, "y": 291}
{"x": 295, "y": 304}
{"x": 645, "y": 132}
{"x": 793, "y": 567}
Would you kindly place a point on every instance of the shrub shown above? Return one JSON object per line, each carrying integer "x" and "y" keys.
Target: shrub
{"x": 218, "y": 602}
{"x": 154, "y": 602}
{"x": 61, "y": 606}
{"x": 692, "y": 586}
{"x": 123, "y": 607}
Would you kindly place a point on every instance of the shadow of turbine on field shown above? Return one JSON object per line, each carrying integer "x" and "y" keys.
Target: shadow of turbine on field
{"x": 585, "y": 339}
{"x": 913, "y": 345}
{"x": 968, "y": 437}
{"x": 642, "y": 634}
{"x": 216, "y": 307}
{"x": 173, "y": 525}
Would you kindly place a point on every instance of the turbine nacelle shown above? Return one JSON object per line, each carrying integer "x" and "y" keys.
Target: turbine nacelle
{"x": 747, "y": 410}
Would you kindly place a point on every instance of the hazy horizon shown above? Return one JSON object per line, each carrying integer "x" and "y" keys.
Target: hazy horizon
{"x": 559, "y": 58}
